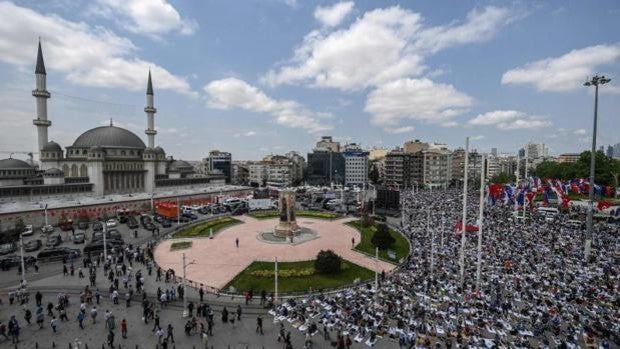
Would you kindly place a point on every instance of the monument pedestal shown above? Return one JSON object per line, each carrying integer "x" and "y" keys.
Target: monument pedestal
{"x": 288, "y": 224}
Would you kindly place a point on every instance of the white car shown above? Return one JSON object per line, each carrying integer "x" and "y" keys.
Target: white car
{"x": 29, "y": 230}
{"x": 47, "y": 229}
{"x": 110, "y": 223}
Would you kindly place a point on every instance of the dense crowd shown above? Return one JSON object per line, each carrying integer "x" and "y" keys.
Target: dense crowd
{"x": 536, "y": 290}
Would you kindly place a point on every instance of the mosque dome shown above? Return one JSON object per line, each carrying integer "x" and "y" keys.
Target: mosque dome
{"x": 109, "y": 137}
{"x": 14, "y": 164}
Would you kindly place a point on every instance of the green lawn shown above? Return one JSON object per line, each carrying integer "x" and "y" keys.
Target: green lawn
{"x": 202, "y": 229}
{"x": 244, "y": 281}
{"x": 181, "y": 245}
{"x": 401, "y": 246}
{"x": 306, "y": 214}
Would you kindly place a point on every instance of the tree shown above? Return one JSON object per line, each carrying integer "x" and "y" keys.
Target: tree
{"x": 382, "y": 237}
{"x": 327, "y": 262}
{"x": 367, "y": 220}
{"x": 373, "y": 174}
{"x": 606, "y": 169}
{"x": 503, "y": 178}
{"x": 19, "y": 225}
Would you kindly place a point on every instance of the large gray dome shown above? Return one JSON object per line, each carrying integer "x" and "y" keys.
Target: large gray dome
{"x": 180, "y": 165}
{"x": 109, "y": 137}
{"x": 11, "y": 163}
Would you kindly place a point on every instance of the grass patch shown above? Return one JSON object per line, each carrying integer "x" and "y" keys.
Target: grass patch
{"x": 203, "y": 229}
{"x": 181, "y": 245}
{"x": 303, "y": 214}
{"x": 247, "y": 279}
{"x": 400, "y": 246}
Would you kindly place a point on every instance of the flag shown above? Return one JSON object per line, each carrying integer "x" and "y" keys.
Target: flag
{"x": 470, "y": 228}
{"x": 602, "y": 205}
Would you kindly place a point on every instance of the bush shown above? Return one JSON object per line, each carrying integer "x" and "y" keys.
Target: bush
{"x": 367, "y": 220}
{"x": 327, "y": 262}
{"x": 382, "y": 237}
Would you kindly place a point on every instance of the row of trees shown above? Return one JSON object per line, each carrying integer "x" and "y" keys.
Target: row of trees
{"x": 607, "y": 170}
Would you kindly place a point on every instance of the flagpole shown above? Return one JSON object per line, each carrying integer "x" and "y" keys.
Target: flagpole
{"x": 464, "y": 219}
{"x": 275, "y": 297}
{"x": 517, "y": 182}
{"x": 376, "y": 269}
{"x": 443, "y": 226}
{"x": 526, "y": 180}
{"x": 480, "y": 218}
{"x": 428, "y": 219}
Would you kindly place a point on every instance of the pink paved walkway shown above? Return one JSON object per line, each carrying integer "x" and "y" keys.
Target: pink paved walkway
{"x": 217, "y": 260}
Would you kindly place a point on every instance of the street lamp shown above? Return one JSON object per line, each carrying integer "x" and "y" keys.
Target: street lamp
{"x": 21, "y": 250}
{"x": 596, "y": 81}
{"x": 185, "y": 312}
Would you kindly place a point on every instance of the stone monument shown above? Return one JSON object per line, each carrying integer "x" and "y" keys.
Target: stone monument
{"x": 287, "y": 227}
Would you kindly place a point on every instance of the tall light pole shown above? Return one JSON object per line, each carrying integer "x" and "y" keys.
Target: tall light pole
{"x": 105, "y": 245}
{"x": 21, "y": 250}
{"x": 480, "y": 219}
{"x": 596, "y": 81}
{"x": 464, "y": 219}
{"x": 185, "y": 312}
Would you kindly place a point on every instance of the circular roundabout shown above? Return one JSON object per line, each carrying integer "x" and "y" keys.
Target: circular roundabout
{"x": 242, "y": 253}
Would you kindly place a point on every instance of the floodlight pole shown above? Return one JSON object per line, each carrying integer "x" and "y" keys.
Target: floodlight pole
{"x": 464, "y": 218}
{"x": 596, "y": 81}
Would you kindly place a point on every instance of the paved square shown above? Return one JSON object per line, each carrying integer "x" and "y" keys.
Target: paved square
{"x": 218, "y": 260}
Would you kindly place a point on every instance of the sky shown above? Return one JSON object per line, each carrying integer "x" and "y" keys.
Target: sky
{"x": 259, "y": 77}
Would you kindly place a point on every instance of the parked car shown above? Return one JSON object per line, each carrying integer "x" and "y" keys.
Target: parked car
{"x": 111, "y": 223}
{"x": 144, "y": 220}
{"x": 111, "y": 234}
{"x": 97, "y": 247}
{"x": 53, "y": 241}
{"x": 204, "y": 210}
{"x": 83, "y": 225}
{"x": 166, "y": 224}
{"x": 66, "y": 225}
{"x": 132, "y": 223}
{"x": 159, "y": 219}
{"x": 97, "y": 226}
{"x": 79, "y": 238}
{"x": 33, "y": 245}
{"x": 29, "y": 230}
{"x": 191, "y": 216}
{"x": 14, "y": 261}
{"x": 57, "y": 254}
{"x": 8, "y": 248}
{"x": 149, "y": 226}
{"x": 47, "y": 229}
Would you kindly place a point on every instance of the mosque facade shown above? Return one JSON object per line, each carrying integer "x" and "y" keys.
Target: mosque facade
{"x": 101, "y": 161}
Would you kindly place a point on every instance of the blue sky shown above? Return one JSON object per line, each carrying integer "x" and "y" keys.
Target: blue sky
{"x": 259, "y": 77}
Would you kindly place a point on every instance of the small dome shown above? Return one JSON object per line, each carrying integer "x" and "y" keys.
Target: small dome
{"x": 52, "y": 146}
{"x": 159, "y": 150}
{"x": 180, "y": 165}
{"x": 11, "y": 163}
{"x": 53, "y": 172}
{"x": 109, "y": 137}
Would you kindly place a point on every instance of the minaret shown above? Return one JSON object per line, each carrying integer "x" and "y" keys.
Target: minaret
{"x": 41, "y": 95}
{"x": 150, "y": 114}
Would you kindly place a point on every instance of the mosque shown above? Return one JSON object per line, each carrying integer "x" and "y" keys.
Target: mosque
{"x": 101, "y": 161}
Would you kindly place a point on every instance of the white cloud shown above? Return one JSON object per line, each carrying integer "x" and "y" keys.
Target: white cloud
{"x": 149, "y": 17}
{"x": 449, "y": 124}
{"x": 495, "y": 117}
{"x": 580, "y": 131}
{"x": 480, "y": 25}
{"x": 476, "y": 138}
{"x": 245, "y": 134}
{"x": 510, "y": 120}
{"x": 383, "y": 45}
{"x": 291, "y": 3}
{"x": 524, "y": 124}
{"x": 331, "y": 16}
{"x": 88, "y": 56}
{"x": 234, "y": 93}
{"x": 419, "y": 99}
{"x": 398, "y": 130}
{"x": 566, "y": 72}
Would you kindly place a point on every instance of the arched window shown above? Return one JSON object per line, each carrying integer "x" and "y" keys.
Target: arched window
{"x": 84, "y": 152}
{"x": 65, "y": 170}
{"x": 83, "y": 171}
{"x": 123, "y": 153}
{"x": 74, "y": 170}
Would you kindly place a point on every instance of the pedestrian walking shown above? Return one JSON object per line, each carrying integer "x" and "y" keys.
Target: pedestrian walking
{"x": 54, "y": 323}
{"x": 28, "y": 316}
{"x": 80, "y": 319}
{"x": 259, "y": 324}
{"x": 111, "y": 339}
{"x": 124, "y": 328}
{"x": 239, "y": 312}
{"x": 170, "y": 334}
{"x": 93, "y": 314}
{"x": 237, "y": 242}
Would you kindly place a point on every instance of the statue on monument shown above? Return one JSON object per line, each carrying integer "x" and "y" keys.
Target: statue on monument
{"x": 287, "y": 227}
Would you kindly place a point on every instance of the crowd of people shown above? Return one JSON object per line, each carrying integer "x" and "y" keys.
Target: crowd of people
{"x": 536, "y": 290}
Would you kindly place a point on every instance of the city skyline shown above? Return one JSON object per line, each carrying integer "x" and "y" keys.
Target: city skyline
{"x": 422, "y": 76}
